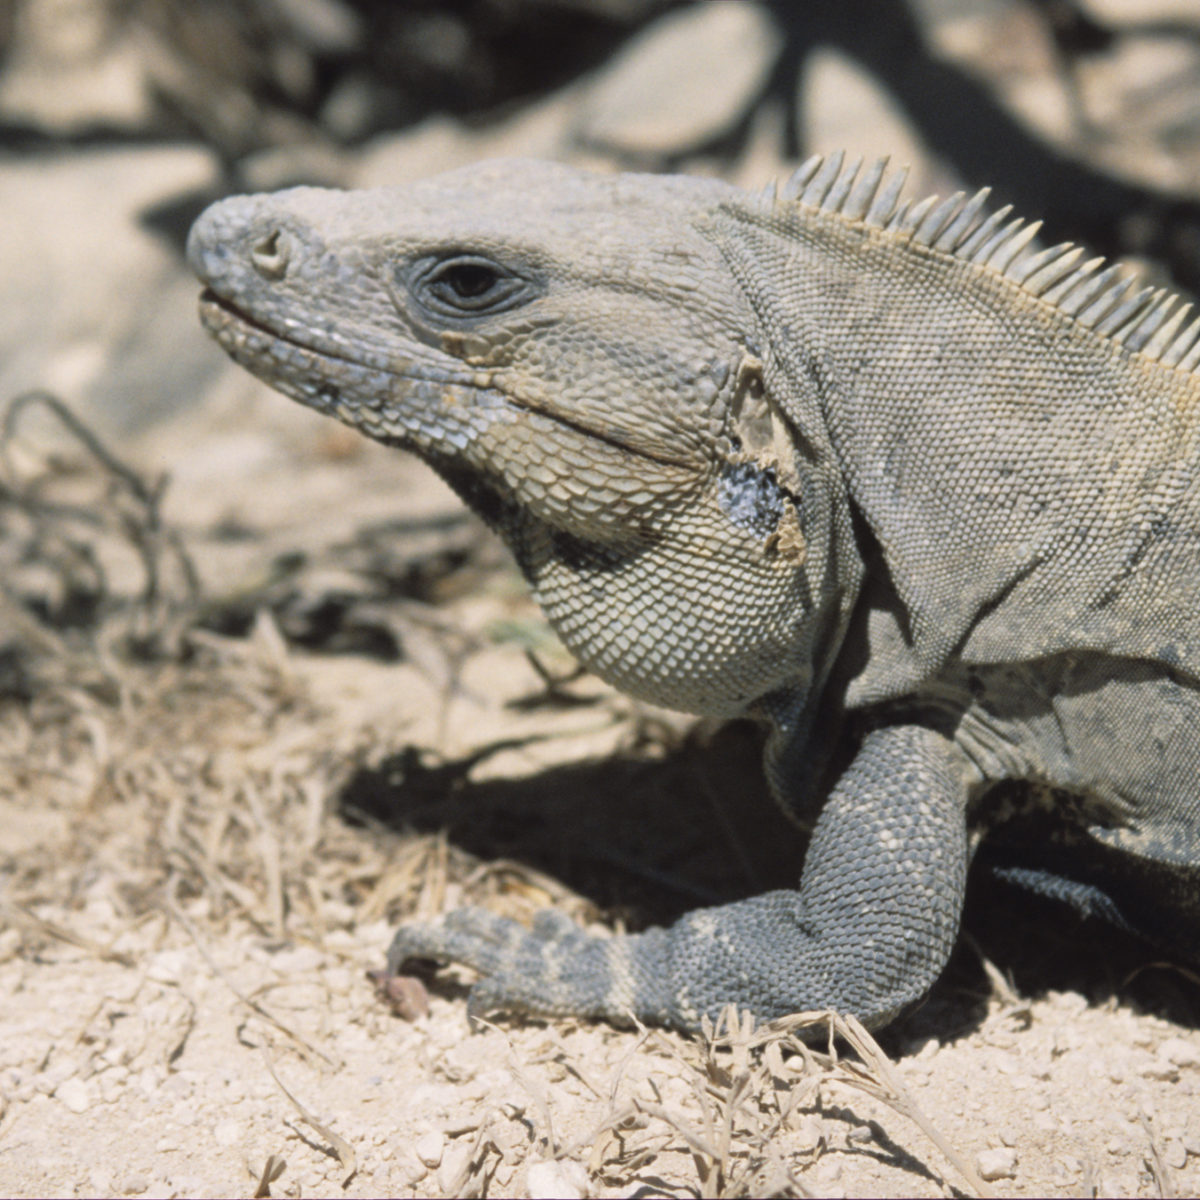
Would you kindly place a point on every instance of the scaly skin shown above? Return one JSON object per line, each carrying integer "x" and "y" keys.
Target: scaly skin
{"x": 874, "y": 475}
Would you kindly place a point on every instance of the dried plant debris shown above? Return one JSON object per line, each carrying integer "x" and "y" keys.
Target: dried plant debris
{"x": 86, "y": 555}
{"x": 79, "y": 548}
{"x": 751, "y": 1115}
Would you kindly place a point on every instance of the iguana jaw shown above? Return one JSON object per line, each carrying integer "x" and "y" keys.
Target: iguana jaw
{"x": 460, "y": 417}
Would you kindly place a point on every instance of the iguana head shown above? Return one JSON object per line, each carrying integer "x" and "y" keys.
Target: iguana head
{"x": 570, "y": 351}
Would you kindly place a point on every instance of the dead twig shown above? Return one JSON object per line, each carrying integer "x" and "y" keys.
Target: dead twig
{"x": 15, "y": 914}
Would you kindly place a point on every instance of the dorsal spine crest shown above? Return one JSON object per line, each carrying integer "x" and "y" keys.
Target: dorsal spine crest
{"x": 1149, "y": 322}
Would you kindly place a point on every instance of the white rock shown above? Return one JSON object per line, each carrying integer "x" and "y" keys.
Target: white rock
{"x": 451, "y": 1174}
{"x": 297, "y": 960}
{"x": 844, "y": 104}
{"x": 1123, "y": 12}
{"x": 75, "y": 1094}
{"x": 227, "y": 1132}
{"x": 430, "y": 1147}
{"x": 562, "y": 1179}
{"x": 117, "y": 338}
{"x": 100, "y": 1181}
{"x": 997, "y": 1164}
{"x": 676, "y": 85}
{"x": 828, "y": 1171}
{"x": 168, "y": 966}
{"x": 1181, "y": 1052}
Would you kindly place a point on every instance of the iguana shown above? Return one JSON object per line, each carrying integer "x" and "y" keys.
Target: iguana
{"x": 919, "y": 497}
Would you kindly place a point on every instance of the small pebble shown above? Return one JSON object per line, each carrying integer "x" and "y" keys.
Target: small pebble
{"x": 406, "y": 994}
{"x": 451, "y": 1174}
{"x": 53, "y": 1077}
{"x": 74, "y": 1094}
{"x": 168, "y": 966}
{"x": 1181, "y": 1052}
{"x": 997, "y": 1164}
{"x": 430, "y": 1147}
{"x": 100, "y": 1181}
{"x": 828, "y": 1171}
{"x": 563, "y": 1179}
{"x": 227, "y": 1133}
{"x": 297, "y": 960}
{"x": 810, "y": 1134}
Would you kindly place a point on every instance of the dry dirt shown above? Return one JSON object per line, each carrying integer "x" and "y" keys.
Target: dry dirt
{"x": 210, "y": 830}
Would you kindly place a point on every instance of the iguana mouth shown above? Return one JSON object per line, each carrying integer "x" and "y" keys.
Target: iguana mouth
{"x": 209, "y": 300}
{"x": 224, "y": 319}
{"x": 221, "y": 317}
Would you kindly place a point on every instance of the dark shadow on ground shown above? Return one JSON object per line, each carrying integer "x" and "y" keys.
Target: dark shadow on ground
{"x": 652, "y": 835}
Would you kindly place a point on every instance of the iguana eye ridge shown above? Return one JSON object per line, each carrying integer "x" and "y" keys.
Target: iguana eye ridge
{"x": 469, "y": 285}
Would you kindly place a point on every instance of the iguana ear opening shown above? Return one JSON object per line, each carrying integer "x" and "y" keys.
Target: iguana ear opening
{"x": 758, "y": 429}
{"x": 750, "y": 416}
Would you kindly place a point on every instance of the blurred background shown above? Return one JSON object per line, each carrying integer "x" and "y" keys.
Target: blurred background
{"x": 119, "y": 119}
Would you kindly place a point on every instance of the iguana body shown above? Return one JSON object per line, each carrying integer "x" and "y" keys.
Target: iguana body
{"x": 873, "y": 473}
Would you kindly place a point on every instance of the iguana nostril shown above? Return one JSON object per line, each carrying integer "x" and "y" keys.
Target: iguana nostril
{"x": 270, "y": 255}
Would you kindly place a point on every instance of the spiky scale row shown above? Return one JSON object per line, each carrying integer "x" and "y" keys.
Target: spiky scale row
{"x": 1149, "y": 322}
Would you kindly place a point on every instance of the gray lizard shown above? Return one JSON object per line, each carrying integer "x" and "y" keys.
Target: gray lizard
{"x": 924, "y": 500}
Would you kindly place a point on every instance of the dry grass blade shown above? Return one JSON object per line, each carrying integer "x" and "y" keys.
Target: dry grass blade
{"x": 14, "y": 914}
{"x": 1176, "y": 968}
{"x": 341, "y": 1148}
{"x": 550, "y": 1144}
{"x": 272, "y": 1169}
{"x": 1002, "y": 989}
{"x": 877, "y": 1076}
{"x": 732, "y": 1119}
{"x": 1158, "y": 1168}
{"x": 177, "y": 913}
{"x": 695, "y": 1140}
{"x": 472, "y": 1178}
{"x": 272, "y": 866}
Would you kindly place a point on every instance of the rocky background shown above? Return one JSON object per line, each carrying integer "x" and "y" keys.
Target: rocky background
{"x": 266, "y": 690}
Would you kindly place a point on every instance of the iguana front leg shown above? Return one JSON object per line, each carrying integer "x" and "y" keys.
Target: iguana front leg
{"x": 868, "y": 932}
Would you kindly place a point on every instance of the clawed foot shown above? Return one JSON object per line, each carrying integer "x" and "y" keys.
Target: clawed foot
{"x": 553, "y": 968}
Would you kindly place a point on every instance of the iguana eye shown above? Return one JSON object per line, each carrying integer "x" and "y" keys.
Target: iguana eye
{"x": 470, "y": 285}
{"x": 468, "y": 280}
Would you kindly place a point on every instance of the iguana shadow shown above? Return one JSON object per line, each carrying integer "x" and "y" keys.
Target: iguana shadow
{"x": 651, "y": 834}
